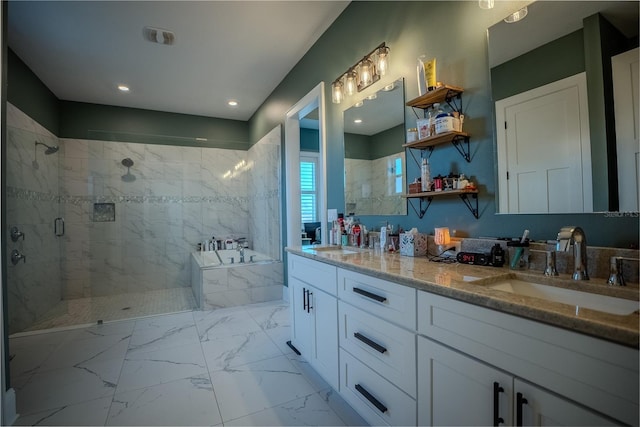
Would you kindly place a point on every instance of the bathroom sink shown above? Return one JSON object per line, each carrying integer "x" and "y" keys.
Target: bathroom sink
{"x": 572, "y": 297}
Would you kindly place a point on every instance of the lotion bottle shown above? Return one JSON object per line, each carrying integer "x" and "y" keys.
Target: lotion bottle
{"x": 425, "y": 176}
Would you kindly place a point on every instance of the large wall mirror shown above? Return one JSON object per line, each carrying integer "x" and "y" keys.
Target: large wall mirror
{"x": 565, "y": 85}
{"x": 374, "y": 160}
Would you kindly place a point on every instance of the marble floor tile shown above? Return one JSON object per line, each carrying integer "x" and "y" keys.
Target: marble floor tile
{"x": 271, "y": 317}
{"x": 257, "y": 386}
{"x": 30, "y": 352}
{"x": 151, "y": 339}
{"x": 67, "y": 386}
{"x": 306, "y": 411}
{"x": 165, "y": 322}
{"x": 88, "y": 413}
{"x": 84, "y": 351}
{"x": 188, "y": 401}
{"x": 236, "y": 350}
{"x": 280, "y": 336}
{"x": 224, "y": 322}
{"x": 347, "y": 414}
{"x": 156, "y": 367}
{"x": 118, "y": 327}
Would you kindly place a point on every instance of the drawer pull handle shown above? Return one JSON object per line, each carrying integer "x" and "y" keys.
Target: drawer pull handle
{"x": 497, "y": 419}
{"x": 520, "y": 401}
{"x": 374, "y": 345}
{"x": 369, "y": 295}
{"x": 375, "y": 402}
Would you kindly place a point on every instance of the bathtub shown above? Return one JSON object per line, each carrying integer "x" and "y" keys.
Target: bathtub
{"x": 233, "y": 283}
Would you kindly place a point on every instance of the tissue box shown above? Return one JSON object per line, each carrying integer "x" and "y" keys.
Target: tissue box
{"x": 413, "y": 244}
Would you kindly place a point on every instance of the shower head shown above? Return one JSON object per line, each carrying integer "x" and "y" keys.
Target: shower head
{"x": 50, "y": 149}
{"x": 127, "y": 162}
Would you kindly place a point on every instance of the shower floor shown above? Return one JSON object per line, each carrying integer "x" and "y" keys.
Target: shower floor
{"x": 83, "y": 311}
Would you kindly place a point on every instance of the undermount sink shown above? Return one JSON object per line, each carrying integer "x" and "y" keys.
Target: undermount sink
{"x": 572, "y": 297}
{"x": 334, "y": 250}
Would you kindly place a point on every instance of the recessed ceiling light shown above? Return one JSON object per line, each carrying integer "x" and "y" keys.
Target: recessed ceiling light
{"x": 123, "y": 88}
{"x": 232, "y": 103}
{"x": 357, "y": 121}
{"x": 359, "y": 104}
{"x": 201, "y": 139}
{"x": 516, "y": 16}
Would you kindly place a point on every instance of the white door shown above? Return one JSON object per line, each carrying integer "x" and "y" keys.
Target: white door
{"x": 538, "y": 407}
{"x": 625, "y": 93}
{"x": 544, "y": 158}
{"x": 454, "y": 389}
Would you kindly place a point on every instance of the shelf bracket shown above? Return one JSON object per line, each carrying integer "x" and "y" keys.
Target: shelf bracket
{"x": 422, "y": 210}
{"x": 422, "y": 150}
{"x": 469, "y": 203}
{"x": 462, "y": 145}
{"x": 454, "y": 102}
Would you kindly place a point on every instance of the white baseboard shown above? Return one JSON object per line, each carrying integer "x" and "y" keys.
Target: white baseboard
{"x": 9, "y": 414}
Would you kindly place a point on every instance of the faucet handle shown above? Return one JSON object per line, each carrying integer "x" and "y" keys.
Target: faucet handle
{"x": 550, "y": 264}
{"x": 615, "y": 271}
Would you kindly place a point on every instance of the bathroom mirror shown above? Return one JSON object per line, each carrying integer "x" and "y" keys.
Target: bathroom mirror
{"x": 528, "y": 63}
{"x": 374, "y": 163}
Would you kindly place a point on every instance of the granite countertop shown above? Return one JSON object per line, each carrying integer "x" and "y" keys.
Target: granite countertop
{"x": 469, "y": 283}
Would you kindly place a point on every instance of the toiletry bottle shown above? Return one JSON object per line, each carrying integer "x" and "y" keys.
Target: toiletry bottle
{"x": 425, "y": 176}
{"x": 497, "y": 255}
{"x": 422, "y": 83}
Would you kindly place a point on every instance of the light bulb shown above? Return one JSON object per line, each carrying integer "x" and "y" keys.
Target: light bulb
{"x": 351, "y": 81}
{"x": 366, "y": 73}
{"x": 383, "y": 60}
{"x": 336, "y": 92}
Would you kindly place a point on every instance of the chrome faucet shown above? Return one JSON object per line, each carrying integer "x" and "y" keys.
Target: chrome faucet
{"x": 575, "y": 236}
{"x": 241, "y": 250}
{"x": 615, "y": 270}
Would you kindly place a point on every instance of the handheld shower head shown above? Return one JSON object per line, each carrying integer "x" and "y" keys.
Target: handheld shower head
{"x": 50, "y": 149}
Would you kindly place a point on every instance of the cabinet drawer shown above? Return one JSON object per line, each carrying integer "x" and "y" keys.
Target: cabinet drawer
{"x": 377, "y": 400}
{"x": 593, "y": 372}
{"x": 386, "y": 348}
{"x": 387, "y": 300}
{"x": 316, "y": 273}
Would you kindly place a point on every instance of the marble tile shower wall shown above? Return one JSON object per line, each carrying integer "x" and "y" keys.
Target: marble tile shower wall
{"x": 172, "y": 198}
{"x": 264, "y": 188}
{"x": 370, "y": 189}
{"x": 179, "y": 196}
{"x": 35, "y": 286}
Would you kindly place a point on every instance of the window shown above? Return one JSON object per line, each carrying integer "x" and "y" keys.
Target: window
{"x": 309, "y": 187}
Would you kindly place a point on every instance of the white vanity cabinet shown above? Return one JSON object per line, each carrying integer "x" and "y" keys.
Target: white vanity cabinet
{"x": 549, "y": 375}
{"x": 314, "y": 311}
{"x": 456, "y": 389}
{"x": 377, "y": 348}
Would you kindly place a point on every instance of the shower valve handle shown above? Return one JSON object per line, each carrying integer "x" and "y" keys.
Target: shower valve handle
{"x": 17, "y": 256}
{"x": 16, "y": 234}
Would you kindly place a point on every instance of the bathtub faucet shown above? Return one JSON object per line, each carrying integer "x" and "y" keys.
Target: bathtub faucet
{"x": 241, "y": 250}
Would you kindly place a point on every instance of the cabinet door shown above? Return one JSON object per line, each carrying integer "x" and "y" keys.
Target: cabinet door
{"x": 302, "y": 327}
{"x": 537, "y": 407}
{"x": 454, "y": 389}
{"x": 324, "y": 312}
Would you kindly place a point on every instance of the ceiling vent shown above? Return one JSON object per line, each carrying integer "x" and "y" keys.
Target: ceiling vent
{"x": 158, "y": 35}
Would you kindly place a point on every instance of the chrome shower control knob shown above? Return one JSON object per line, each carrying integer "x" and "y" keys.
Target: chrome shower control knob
{"x": 17, "y": 256}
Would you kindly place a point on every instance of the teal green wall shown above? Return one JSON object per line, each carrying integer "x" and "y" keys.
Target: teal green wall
{"x": 27, "y": 92}
{"x": 563, "y": 57}
{"x": 108, "y": 123}
{"x": 375, "y": 146}
{"x": 309, "y": 140}
{"x": 455, "y": 33}
{"x": 67, "y": 119}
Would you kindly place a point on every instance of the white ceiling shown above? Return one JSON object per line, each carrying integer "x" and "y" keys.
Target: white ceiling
{"x": 223, "y": 50}
{"x": 549, "y": 20}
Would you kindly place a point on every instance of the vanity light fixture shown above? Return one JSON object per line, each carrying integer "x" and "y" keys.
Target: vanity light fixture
{"x": 516, "y": 16}
{"x": 362, "y": 74}
{"x": 485, "y": 4}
